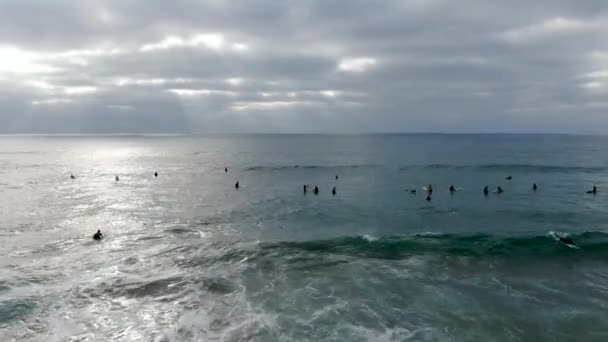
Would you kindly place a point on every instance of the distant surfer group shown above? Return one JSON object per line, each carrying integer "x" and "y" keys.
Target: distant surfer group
{"x": 316, "y": 190}
{"x": 452, "y": 189}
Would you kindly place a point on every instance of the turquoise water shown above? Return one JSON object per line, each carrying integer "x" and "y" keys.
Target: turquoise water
{"x": 187, "y": 257}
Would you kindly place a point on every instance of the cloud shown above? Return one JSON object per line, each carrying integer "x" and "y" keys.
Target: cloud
{"x": 547, "y": 28}
{"x": 200, "y": 92}
{"x": 51, "y": 101}
{"x": 321, "y": 65}
{"x": 260, "y": 105}
{"x": 212, "y": 41}
{"x": 17, "y": 61}
{"x": 359, "y": 64}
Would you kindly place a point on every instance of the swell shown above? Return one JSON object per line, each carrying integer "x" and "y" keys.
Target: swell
{"x": 544, "y": 168}
{"x": 477, "y": 245}
{"x": 513, "y": 168}
{"x": 293, "y": 167}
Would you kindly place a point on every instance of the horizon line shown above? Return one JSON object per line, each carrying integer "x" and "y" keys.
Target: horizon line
{"x": 301, "y": 133}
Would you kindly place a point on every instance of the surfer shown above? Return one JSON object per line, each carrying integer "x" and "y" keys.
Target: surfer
{"x": 236, "y": 185}
{"x": 72, "y": 176}
{"x": 412, "y": 191}
{"x": 333, "y": 191}
{"x": 316, "y": 190}
{"x": 499, "y": 190}
{"x": 429, "y": 189}
{"x": 305, "y": 188}
{"x": 155, "y": 174}
{"x": 509, "y": 178}
{"x": 534, "y": 187}
{"x": 452, "y": 189}
{"x": 594, "y": 191}
{"x": 98, "y": 236}
{"x": 428, "y": 197}
{"x": 116, "y": 178}
{"x": 337, "y": 177}
{"x": 225, "y": 169}
{"x": 485, "y": 191}
{"x": 567, "y": 240}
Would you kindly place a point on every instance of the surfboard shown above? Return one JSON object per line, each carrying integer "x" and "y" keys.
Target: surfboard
{"x": 558, "y": 237}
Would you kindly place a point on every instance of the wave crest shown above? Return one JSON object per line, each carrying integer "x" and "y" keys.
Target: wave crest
{"x": 476, "y": 245}
{"x": 291, "y": 167}
{"x": 512, "y": 168}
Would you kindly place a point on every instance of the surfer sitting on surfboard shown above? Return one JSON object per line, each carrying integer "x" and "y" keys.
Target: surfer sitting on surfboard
{"x": 98, "y": 236}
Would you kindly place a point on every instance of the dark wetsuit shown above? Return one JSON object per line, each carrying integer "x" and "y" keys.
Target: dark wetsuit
{"x": 98, "y": 235}
{"x": 567, "y": 240}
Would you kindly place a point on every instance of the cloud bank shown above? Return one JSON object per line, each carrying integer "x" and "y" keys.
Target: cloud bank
{"x": 318, "y": 66}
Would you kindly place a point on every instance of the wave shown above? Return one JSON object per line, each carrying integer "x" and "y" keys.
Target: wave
{"x": 290, "y": 167}
{"x": 476, "y": 245}
{"x": 512, "y": 168}
{"x": 544, "y": 168}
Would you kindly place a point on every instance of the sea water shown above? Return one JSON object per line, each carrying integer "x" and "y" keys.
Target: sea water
{"x": 188, "y": 257}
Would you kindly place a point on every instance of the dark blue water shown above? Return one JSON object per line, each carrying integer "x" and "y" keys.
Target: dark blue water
{"x": 189, "y": 257}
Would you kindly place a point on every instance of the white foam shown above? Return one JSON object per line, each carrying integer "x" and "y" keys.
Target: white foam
{"x": 369, "y": 238}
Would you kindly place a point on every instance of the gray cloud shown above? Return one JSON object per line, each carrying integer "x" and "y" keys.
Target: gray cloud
{"x": 303, "y": 66}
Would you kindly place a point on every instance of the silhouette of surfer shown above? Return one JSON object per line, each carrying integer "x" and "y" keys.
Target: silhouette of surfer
{"x": 567, "y": 240}
{"x": 116, "y": 178}
{"x": 305, "y": 188}
{"x": 333, "y": 191}
{"x": 499, "y": 190}
{"x": 98, "y": 236}
{"x": 72, "y": 176}
{"x": 236, "y": 185}
{"x": 316, "y": 190}
{"x": 485, "y": 191}
{"x": 452, "y": 189}
{"x": 534, "y": 187}
{"x": 155, "y": 174}
{"x": 594, "y": 191}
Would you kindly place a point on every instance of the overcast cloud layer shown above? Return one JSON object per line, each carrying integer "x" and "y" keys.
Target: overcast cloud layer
{"x": 326, "y": 66}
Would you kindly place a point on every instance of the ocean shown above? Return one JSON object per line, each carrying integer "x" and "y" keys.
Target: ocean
{"x": 188, "y": 257}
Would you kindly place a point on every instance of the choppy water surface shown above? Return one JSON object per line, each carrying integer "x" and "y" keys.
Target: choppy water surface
{"x": 187, "y": 257}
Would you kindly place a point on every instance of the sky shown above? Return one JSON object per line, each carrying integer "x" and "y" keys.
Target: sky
{"x": 303, "y": 66}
